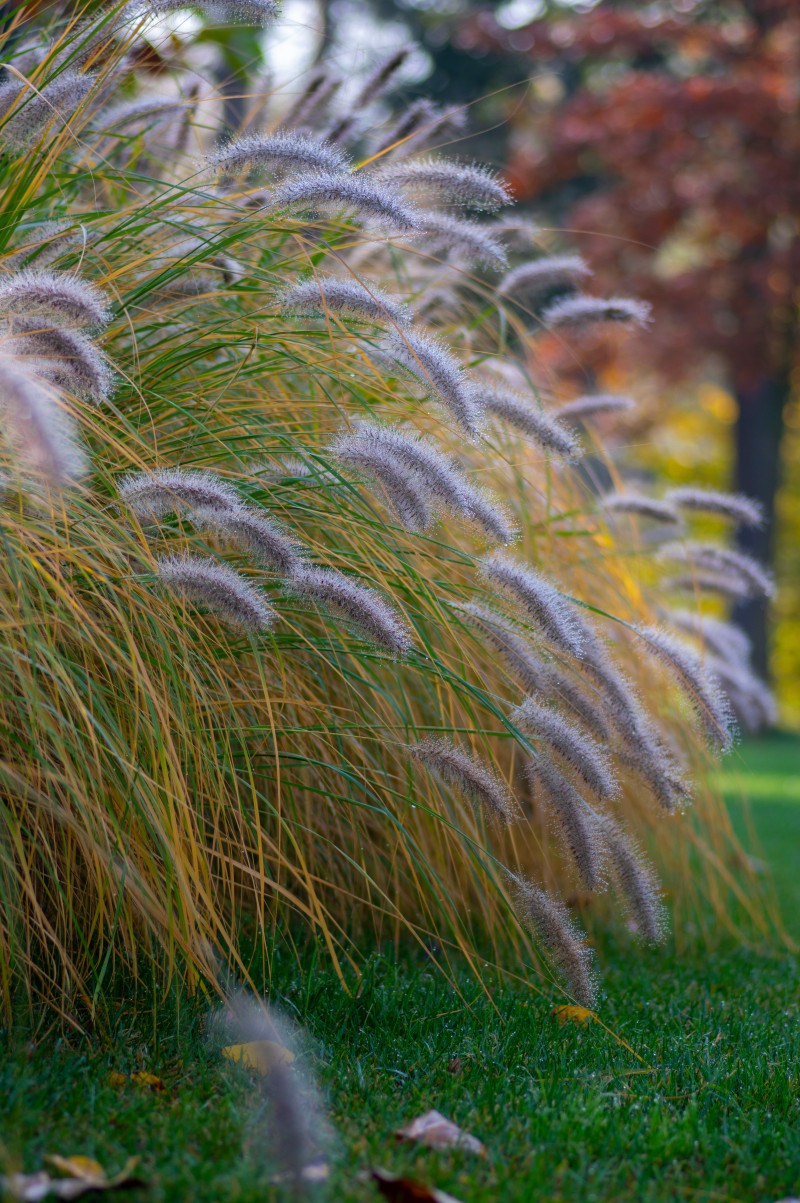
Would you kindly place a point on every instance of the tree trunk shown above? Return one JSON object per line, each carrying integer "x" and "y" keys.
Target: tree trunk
{"x": 759, "y": 431}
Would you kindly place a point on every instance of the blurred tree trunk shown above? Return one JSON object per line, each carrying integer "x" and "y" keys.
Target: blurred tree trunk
{"x": 759, "y": 431}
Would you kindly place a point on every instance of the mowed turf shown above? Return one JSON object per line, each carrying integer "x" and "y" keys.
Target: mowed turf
{"x": 689, "y": 1090}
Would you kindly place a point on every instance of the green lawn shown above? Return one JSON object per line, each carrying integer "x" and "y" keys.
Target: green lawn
{"x": 705, "y": 1107}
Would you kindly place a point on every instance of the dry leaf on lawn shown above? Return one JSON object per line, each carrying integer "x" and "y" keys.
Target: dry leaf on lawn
{"x": 260, "y": 1055}
{"x": 436, "y": 1130}
{"x": 84, "y": 1174}
{"x": 115, "y": 1078}
{"x": 406, "y": 1190}
{"x": 570, "y": 1014}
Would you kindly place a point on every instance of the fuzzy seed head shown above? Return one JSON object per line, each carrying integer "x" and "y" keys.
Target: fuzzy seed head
{"x": 744, "y": 574}
{"x": 478, "y": 244}
{"x": 407, "y": 495}
{"x": 222, "y": 590}
{"x": 345, "y": 192}
{"x": 357, "y": 603}
{"x": 641, "y": 506}
{"x": 350, "y": 296}
{"x": 539, "y": 598}
{"x": 431, "y": 363}
{"x": 449, "y": 181}
{"x": 469, "y": 774}
{"x": 432, "y": 474}
{"x": 169, "y": 490}
{"x": 575, "y": 817}
{"x": 530, "y": 280}
{"x": 65, "y": 357}
{"x": 579, "y": 311}
{"x": 527, "y": 416}
{"x": 53, "y": 105}
{"x": 636, "y": 880}
{"x": 723, "y": 639}
{"x": 700, "y": 686}
{"x": 740, "y": 509}
{"x": 253, "y": 532}
{"x": 547, "y": 917}
{"x": 589, "y": 406}
{"x": 583, "y": 754}
{"x": 279, "y": 153}
{"x": 46, "y": 438}
{"x": 58, "y": 298}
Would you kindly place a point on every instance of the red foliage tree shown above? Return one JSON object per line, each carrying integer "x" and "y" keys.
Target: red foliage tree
{"x": 681, "y": 127}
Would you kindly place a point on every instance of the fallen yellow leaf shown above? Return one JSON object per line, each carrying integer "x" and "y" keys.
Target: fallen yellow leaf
{"x": 117, "y": 1079}
{"x": 571, "y": 1014}
{"x": 261, "y": 1055}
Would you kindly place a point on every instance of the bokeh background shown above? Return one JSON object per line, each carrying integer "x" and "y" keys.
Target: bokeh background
{"x": 661, "y": 141}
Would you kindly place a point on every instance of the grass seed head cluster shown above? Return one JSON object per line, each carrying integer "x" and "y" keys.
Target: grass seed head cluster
{"x": 271, "y": 412}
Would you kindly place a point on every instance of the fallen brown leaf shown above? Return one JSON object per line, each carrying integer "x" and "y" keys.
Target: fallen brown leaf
{"x": 406, "y": 1190}
{"x": 455, "y": 1067}
{"x": 435, "y": 1130}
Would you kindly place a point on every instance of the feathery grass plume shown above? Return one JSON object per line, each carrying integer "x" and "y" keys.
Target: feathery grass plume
{"x": 375, "y": 85}
{"x": 56, "y": 101}
{"x": 254, "y": 532}
{"x": 649, "y": 757}
{"x": 279, "y": 153}
{"x": 751, "y": 699}
{"x": 470, "y": 774}
{"x": 44, "y": 242}
{"x": 534, "y": 674}
{"x": 456, "y": 183}
{"x": 356, "y": 602}
{"x": 351, "y": 296}
{"x": 65, "y": 357}
{"x": 431, "y": 362}
{"x": 60, "y": 298}
{"x": 640, "y": 505}
{"x": 321, "y": 86}
{"x": 152, "y": 495}
{"x": 218, "y": 587}
{"x": 723, "y": 639}
{"x": 582, "y": 310}
{"x": 346, "y": 191}
{"x": 698, "y": 581}
{"x": 744, "y": 572}
{"x": 432, "y": 472}
{"x": 521, "y": 235}
{"x": 539, "y": 598}
{"x": 576, "y": 819}
{"x": 515, "y": 649}
{"x": 419, "y": 116}
{"x": 381, "y": 76}
{"x": 701, "y": 687}
{"x": 42, "y": 430}
{"x": 636, "y": 880}
{"x": 525, "y": 415}
{"x": 579, "y": 750}
{"x": 230, "y": 12}
{"x": 530, "y": 280}
{"x": 289, "y": 1130}
{"x": 588, "y": 406}
{"x": 550, "y": 923}
{"x": 406, "y": 493}
{"x": 479, "y": 244}
{"x": 741, "y": 509}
